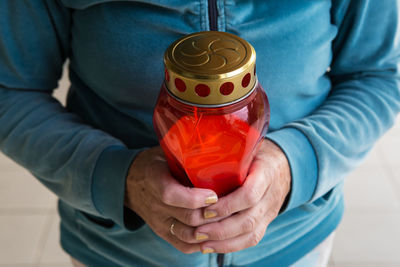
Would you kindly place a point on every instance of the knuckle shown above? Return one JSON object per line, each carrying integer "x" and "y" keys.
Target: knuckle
{"x": 219, "y": 234}
{"x": 249, "y": 224}
{"x": 253, "y": 196}
{"x": 225, "y": 209}
{"x": 255, "y": 239}
{"x": 195, "y": 198}
{"x": 190, "y": 218}
{"x": 253, "y": 242}
{"x": 270, "y": 216}
{"x": 166, "y": 196}
{"x": 185, "y": 235}
{"x": 275, "y": 212}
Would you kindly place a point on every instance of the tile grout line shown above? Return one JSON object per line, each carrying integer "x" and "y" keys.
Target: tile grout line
{"x": 389, "y": 172}
{"x": 43, "y": 240}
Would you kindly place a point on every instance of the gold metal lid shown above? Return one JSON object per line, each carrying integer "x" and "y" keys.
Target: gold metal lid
{"x": 210, "y": 68}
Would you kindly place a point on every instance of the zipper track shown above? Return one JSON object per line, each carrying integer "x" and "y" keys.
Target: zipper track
{"x": 213, "y": 21}
{"x": 213, "y": 15}
{"x": 220, "y": 259}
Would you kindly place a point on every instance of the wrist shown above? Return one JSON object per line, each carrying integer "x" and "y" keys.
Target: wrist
{"x": 276, "y": 157}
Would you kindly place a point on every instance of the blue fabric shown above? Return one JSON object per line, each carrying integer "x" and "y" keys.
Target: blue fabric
{"x": 108, "y": 179}
{"x": 325, "y": 121}
{"x": 302, "y": 159}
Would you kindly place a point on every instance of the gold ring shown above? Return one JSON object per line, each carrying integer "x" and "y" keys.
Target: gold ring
{"x": 171, "y": 228}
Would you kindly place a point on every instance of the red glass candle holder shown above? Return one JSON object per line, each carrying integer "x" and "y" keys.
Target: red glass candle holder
{"x": 211, "y": 147}
{"x": 211, "y": 113}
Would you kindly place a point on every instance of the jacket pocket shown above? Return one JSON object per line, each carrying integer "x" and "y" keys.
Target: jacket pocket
{"x": 320, "y": 202}
{"x": 89, "y": 221}
{"x": 105, "y": 223}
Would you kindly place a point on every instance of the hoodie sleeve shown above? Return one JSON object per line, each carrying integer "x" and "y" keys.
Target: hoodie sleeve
{"x": 84, "y": 166}
{"x": 325, "y": 146}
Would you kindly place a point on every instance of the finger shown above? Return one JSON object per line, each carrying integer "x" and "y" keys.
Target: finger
{"x": 175, "y": 194}
{"x": 234, "y": 244}
{"x": 246, "y": 221}
{"x": 183, "y": 246}
{"x": 233, "y": 226}
{"x": 185, "y": 233}
{"x": 246, "y": 196}
{"x": 170, "y": 230}
{"x": 190, "y": 217}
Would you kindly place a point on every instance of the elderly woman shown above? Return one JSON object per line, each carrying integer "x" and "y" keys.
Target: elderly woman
{"x": 330, "y": 69}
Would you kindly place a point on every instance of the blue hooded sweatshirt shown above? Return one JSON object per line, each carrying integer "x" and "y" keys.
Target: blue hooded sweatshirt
{"x": 330, "y": 70}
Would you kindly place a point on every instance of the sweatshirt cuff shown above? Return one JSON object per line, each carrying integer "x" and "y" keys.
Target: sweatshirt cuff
{"x": 108, "y": 186}
{"x": 303, "y": 165}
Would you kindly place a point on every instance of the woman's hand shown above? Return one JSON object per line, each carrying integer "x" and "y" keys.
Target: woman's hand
{"x": 251, "y": 208}
{"x": 162, "y": 201}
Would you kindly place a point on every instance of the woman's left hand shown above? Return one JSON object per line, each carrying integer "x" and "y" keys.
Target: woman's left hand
{"x": 250, "y": 208}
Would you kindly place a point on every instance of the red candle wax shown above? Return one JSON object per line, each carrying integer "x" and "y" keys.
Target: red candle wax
{"x": 213, "y": 151}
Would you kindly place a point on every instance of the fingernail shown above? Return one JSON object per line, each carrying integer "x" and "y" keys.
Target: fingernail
{"x": 207, "y": 250}
{"x": 209, "y": 214}
{"x": 211, "y": 199}
{"x": 201, "y": 236}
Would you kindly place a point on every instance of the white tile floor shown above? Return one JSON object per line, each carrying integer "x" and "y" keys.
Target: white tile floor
{"x": 369, "y": 235}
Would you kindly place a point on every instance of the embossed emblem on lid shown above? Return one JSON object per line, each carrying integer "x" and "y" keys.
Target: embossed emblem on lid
{"x": 210, "y": 68}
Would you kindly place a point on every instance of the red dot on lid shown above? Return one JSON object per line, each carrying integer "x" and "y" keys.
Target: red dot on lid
{"x": 254, "y": 70}
{"x": 180, "y": 85}
{"x": 226, "y": 88}
{"x": 246, "y": 80}
{"x": 202, "y": 90}
{"x": 166, "y": 75}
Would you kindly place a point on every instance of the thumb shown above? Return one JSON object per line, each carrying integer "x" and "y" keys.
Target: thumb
{"x": 175, "y": 194}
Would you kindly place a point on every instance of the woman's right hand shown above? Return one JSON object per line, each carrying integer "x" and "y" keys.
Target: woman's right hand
{"x": 161, "y": 201}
